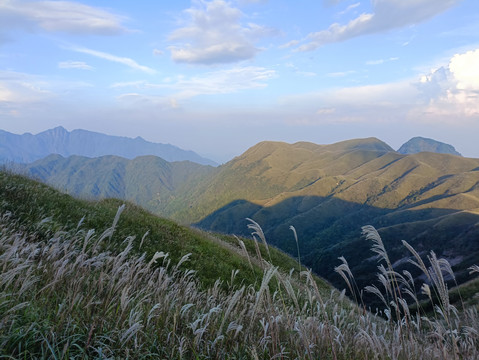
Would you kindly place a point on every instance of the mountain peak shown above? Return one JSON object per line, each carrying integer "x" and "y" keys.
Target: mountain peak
{"x": 421, "y": 144}
{"x": 370, "y": 143}
{"x": 56, "y": 130}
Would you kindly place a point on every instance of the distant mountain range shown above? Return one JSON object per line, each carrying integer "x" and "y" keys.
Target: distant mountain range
{"x": 27, "y": 148}
{"x": 420, "y": 144}
{"x": 327, "y": 192}
{"x": 148, "y": 181}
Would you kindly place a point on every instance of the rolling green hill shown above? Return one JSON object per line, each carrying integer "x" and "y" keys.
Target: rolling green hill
{"x": 146, "y": 180}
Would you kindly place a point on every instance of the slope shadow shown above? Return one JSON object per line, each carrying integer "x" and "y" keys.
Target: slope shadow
{"x": 329, "y": 227}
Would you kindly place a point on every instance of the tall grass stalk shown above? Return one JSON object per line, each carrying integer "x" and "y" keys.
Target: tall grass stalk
{"x": 66, "y": 297}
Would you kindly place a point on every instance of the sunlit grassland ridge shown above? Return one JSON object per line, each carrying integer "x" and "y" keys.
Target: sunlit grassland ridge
{"x": 67, "y": 291}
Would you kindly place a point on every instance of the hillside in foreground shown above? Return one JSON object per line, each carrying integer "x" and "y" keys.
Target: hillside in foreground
{"x": 67, "y": 291}
{"x": 42, "y": 211}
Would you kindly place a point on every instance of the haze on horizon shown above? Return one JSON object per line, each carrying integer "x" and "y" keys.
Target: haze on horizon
{"x": 219, "y": 76}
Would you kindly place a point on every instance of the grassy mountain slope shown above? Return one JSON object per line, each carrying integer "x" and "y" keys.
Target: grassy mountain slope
{"x": 147, "y": 180}
{"x": 271, "y": 170}
{"x": 327, "y": 192}
{"x": 361, "y": 171}
{"x": 39, "y": 210}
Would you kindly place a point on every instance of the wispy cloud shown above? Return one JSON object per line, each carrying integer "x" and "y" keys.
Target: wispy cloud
{"x": 211, "y": 83}
{"x": 118, "y": 59}
{"x": 58, "y": 16}
{"x": 381, "y": 61}
{"x": 74, "y": 65}
{"x": 386, "y": 15}
{"x": 224, "y": 81}
{"x": 349, "y": 8}
{"x": 341, "y": 73}
{"x": 21, "y": 92}
{"x": 299, "y": 71}
{"x": 214, "y": 34}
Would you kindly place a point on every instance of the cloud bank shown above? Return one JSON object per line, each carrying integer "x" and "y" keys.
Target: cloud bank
{"x": 446, "y": 95}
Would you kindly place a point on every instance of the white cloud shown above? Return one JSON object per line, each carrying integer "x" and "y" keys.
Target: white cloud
{"x": 326, "y": 111}
{"x": 299, "y": 71}
{"x": 381, "y": 61}
{"x": 118, "y": 59}
{"x": 289, "y": 44}
{"x": 58, "y": 16}
{"x": 20, "y": 93}
{"x": 341, "y": 73}
{"x": 141, "y": 100}
{"x": 253, "y": 1}
{"x": 465, "y": 68}
{"x": 307, "y": 73}
{"x": 136, "y": 84}
{"x": 349, "y": 8}
{"x": 347, "y": 99}
{"x": 210, "y": 83}
{"x": 214, "y": 35}
{"x": 74, "y": 65}
{"x": 375, "y": 62}
{"x": 387, "y": 15}
{"x": 453, "y": 91}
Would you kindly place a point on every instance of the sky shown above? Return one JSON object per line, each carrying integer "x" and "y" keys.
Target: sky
{"x": 217, "y": 77}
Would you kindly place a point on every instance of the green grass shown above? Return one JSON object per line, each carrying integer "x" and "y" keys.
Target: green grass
{"x": 41, "y": 210}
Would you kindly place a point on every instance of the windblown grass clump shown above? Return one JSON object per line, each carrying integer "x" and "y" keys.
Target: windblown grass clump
{"x": 66, "y": 298}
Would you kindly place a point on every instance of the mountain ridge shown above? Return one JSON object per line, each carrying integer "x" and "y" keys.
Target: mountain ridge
{"x": 27, "y": 147}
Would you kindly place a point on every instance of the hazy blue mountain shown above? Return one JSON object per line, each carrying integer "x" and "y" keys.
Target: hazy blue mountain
{"x": 419, "y": 144}
{"x": 27, "y": 148}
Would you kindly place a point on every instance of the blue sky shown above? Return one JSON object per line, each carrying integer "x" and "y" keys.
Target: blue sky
{"x": 219, "y": 76}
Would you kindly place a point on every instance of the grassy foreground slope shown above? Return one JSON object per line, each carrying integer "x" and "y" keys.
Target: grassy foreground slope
{"x": 66, "y": 292}
{"x": 41, "y": 211}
